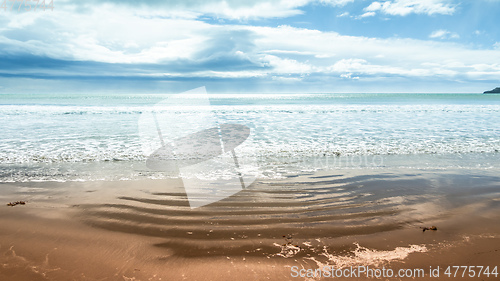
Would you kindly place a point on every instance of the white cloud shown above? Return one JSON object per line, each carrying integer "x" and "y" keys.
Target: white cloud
{"x": 223, "y": 9}
{"x": 406, "y": 7}
{"x": 286, "y": 79}
{"x": 259, "y": 9}
{"x": 286, "y": 66}
{"x": 125, "y": 38}
{"x": 484, "y": 67}
{"x": 444, "y": 34}
{"x": 361, "y": 56}
{"x": 348, "y": 65}
{"x": 336, "y": 2}
{"x": 368, "y": 14}
{"x": 254, "y": 9}
{"x": 374, "y": 6}
{"x": 360, "y": 66}
{"x": 349, "y": 76}
{"x": 288, "y": 52}
{"x": 188, "y": 47}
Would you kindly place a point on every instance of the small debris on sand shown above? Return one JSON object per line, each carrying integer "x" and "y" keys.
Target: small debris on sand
{"x": 16, "y": 203}
{"x": 288, "y": 249}
{"x": 428, "y": 228}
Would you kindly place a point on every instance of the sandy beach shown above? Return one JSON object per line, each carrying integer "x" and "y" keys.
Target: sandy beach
{"x": 145, "y": 230}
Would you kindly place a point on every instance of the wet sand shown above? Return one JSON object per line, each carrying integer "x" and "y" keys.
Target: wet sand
{"x": 145, "y": 230}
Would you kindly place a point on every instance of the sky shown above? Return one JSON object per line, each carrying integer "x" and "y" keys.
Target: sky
{"x": 285, "y": 46}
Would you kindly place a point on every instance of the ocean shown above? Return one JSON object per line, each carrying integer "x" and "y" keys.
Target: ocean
{"x": 87, "y": 137}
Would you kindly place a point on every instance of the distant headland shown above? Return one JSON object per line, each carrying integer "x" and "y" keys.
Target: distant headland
{"x": 494, "y": 91}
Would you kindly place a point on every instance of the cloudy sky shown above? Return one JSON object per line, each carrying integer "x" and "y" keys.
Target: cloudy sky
{"x": 251, "y": 46}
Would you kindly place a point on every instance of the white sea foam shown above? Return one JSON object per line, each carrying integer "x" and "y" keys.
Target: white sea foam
{"x": 366, "y": 257}
{"x": 286, "y": 129}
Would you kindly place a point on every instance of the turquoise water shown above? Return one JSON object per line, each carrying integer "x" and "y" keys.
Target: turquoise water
{"x": 69, "y": 136}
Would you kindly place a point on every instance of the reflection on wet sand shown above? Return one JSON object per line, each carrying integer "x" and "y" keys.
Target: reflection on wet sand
{"x": 146, "y": 230}
{"x": 316, "y": 208}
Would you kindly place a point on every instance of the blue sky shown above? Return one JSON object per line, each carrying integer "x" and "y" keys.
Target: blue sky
{"x": 251, "y": 46}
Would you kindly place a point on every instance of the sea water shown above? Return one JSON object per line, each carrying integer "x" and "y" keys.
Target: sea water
{"x": 83, "y": 137}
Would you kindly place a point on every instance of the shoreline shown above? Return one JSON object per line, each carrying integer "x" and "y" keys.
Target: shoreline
{"x": 146, "y": 230}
